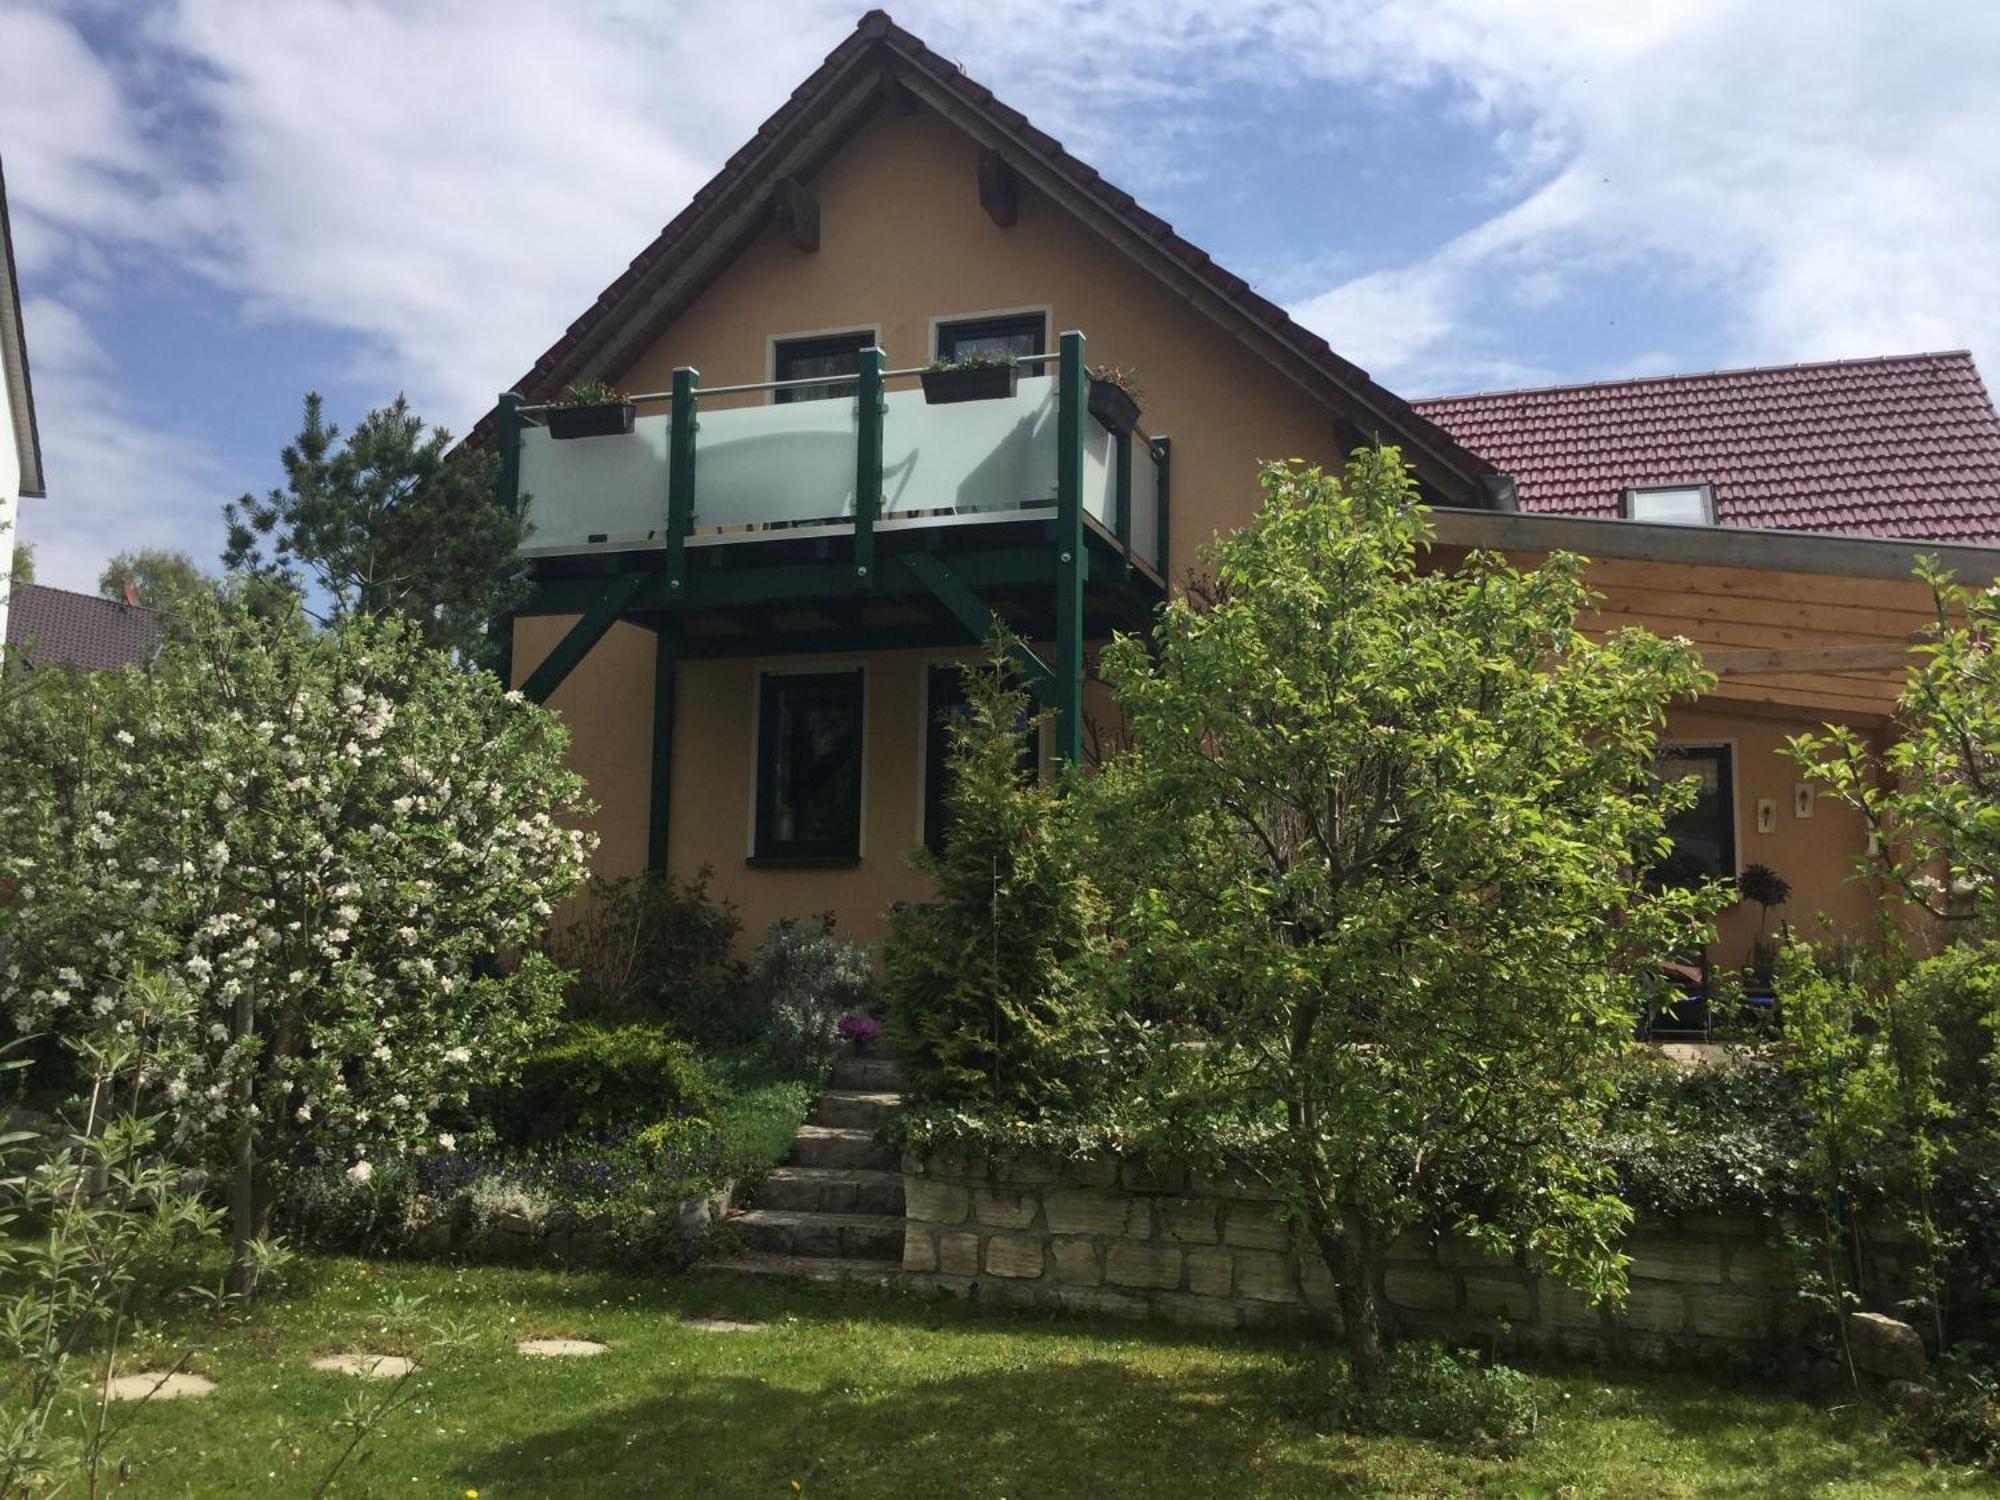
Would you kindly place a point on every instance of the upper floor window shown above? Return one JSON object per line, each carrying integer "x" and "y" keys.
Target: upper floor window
{"x": 1675, "y": 504}
{"x": 825, "y": 354}
{"x": 1013, "y": 335}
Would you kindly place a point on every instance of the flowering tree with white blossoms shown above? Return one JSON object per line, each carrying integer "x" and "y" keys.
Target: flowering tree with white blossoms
{"x": 331, "y": 841}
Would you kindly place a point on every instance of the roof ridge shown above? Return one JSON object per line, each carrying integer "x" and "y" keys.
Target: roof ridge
{"x": 1729, "y": 372}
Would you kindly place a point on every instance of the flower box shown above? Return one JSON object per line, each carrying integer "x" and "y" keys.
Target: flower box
{"x": 597, "y": 419}
{"x": 1113, "y": 405}
{"x": 970, "y": 383}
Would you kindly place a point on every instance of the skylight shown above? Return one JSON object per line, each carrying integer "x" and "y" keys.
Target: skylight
{"x": 1674, "y": 504}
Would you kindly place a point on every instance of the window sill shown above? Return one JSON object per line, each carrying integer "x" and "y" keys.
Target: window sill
{"x": 802, "y": 861}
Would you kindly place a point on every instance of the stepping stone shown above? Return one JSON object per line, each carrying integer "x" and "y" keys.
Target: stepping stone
{"x": 722, "y": 1325}
{"x": 160, "y": 1386}
{"x": 560, "y": 1348}
{"x": 373, "y": 1366}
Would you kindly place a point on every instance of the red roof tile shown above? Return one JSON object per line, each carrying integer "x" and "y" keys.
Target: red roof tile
{"x": 59, "y": 627}
{"x": 1905, "y": 446}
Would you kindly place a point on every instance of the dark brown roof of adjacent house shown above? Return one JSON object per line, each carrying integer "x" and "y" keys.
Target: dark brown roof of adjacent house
{"x": 873, "y": 68}
{"x": 1902, "y": 446}
{"x": 60, "y": 627}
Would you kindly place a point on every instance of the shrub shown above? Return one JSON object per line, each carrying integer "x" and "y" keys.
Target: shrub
{"x": 594, "y": 1080}
{"x": 754, "y": 1129}
{"x": 1432, "y": 1393}
{"x": 984, "y": 1002}
{"x": 802, "y": 980}
{"x": 1959, "y": 1422}
{"x": 651, "y": 948}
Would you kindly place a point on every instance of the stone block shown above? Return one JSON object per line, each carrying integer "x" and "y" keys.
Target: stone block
{"x": 1727, "y": 1315}
{"x": 1565, "y": 1307}
{"x": 1676, "y": 1260}
{"x": 1095, "y": 1211}
{"x": 1456, "y": 1250}
{"x": 1014, "y": 1255}
{"x": 1759, "y": 1265}
{"x": 1211, "y": 1273}
{"x": 919, "y": 1250}
{"x": 1078, "y": 1262}
{"x": 1189, "y": 1221}
{"x": 1227, "y": 1188}
{"x": 1886, "y": 1347}
{"x": 1199, "y": 1312}
{"x": 1138, "y": 1263}
{"x": 1653, "y": 1307}
{"x": 1318, "y": 1284}
{"x": 1143, "y": 1175}
{"x": 1265, "y": 1276}
{"x": 958, "y": 1254}
{"x": 1722, "y": 1226}
{"x": 1093, "y": 1171}
{"x": 1409, "y": 1245}
{"x": 1031, "y": 1169}
{"x": 1491, "y": 1295}
{"x": 935, "y": 1202}
{"x": 1254, "y": 1227}
{"x": 1101, "y": 1300}
{"x": 1002, "y": 1208}
{"x": 1420, "y": 1290}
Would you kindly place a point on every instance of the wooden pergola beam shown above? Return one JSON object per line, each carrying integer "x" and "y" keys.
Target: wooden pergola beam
{"x": 1758, "y": 661}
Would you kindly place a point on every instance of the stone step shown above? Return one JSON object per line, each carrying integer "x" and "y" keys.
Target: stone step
{"x": 832, "y": 1190}
{"x": 803, "y": 1268}
{"x": 855, "y": 1109}
{"x": 837, "y": 1146}
{"x": 871, "y": 1071}
{"x": 778, "y": 1231}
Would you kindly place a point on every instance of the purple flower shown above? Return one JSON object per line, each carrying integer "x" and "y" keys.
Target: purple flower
{"x": 861, "y": 1030}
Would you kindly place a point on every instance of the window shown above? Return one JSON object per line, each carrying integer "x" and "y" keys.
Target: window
{"x": 1015, "y": 335}
{"x": 827, "y": 354}
{"x": 809, "y": 766}
{"x": 1675, "y": 504}
{"x": 945, "y": 702}
{"x": 1704, "y": 835}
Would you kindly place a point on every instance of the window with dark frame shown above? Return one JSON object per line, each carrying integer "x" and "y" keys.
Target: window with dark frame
{"x": 1014, "y": 336}
{"x": 809, "y": 746}
{"x": 944, "y": 703}
{"x": 1704, "y": 834}
{"x": 828, "y": 354}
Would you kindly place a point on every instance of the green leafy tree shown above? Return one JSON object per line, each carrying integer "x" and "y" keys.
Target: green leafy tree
{"x": 983, "y": 997}
{"x": 392, "y": 521}
{"x": 160, "y": 579}
{"x": 21, "y": 571}
{"x": 323, "y": 839}
{"x": 1378, "y": 840}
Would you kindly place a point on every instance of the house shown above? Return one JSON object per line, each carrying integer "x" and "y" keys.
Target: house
{"x": 50, "y": 627}
{"x": 20, "y": 444}
{"x": 749, "y": 593}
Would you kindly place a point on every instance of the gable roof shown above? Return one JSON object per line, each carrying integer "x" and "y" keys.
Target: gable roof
{"x": 14, "y": 361}
{"x": 58, "y": 627}
{"x": 880, "y": 65}
{"x": 1902, "y": 446}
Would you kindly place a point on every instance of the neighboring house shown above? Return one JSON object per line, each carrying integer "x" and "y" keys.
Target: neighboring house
{"x": 749, "y": 605}
{"x": 57, "y": 627}
{"x": 20, "y": 443}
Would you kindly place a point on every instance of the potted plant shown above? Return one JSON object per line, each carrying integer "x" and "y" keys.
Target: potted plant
{"x": 1765, "y": 886}
{"x": 859, "y": 1031}
{"x": 1114, "y": 397}
{"x": 590, "y": 409}
{"x": 970, "y": 377}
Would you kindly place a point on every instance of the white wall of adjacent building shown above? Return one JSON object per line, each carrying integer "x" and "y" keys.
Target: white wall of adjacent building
{"x": 10, "y": 500}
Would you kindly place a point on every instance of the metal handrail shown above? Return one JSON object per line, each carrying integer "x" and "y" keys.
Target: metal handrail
{"x": 747, "y": 388}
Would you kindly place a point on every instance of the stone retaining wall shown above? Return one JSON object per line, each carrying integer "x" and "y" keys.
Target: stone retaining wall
{"x": 1117, "y": 1236}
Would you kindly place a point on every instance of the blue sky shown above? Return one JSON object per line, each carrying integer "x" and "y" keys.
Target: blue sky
{"x": 219, "y": 204}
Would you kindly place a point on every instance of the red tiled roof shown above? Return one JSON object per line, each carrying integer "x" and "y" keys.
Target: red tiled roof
{"x": 1902, "y": 446}
{"x": 590, "y": 347}
{"x": 59, "y": 627}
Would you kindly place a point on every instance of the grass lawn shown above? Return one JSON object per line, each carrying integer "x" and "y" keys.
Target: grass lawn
{"x": 875, "y": 1394}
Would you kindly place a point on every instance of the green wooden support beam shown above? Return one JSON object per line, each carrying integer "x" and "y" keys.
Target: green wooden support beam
{"x": 616, "y": 596}
{"x": 965, "y": 606}
{"x": 869, "y": 408}
{"x": 660, "y": 809}
{"x": 1072, "y": 395}
{"x": 1121, "y": 500}
{"x": 685, "y": 422}
{"x": 1163, "y": 462}
{"x": 507, "y": 490}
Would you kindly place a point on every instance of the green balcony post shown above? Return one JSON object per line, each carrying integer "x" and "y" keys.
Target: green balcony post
{"x": 1163, "y": 461}
{"x": 869, "y": 407}
{"x": 1121, "y": 514}
{"x": 660, "y": 811}
{"x": 686, "y": 422}
{"x": 1072, "y": 396}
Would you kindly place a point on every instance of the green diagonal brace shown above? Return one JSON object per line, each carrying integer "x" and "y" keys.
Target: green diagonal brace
{"x": 966, "y": 607}
{"x": 585, "y": 633}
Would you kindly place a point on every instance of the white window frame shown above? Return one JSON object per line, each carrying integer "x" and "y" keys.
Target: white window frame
{"x": 1628, "y": 496}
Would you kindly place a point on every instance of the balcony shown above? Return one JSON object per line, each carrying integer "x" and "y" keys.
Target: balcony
{"x": 786, "y": 473}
